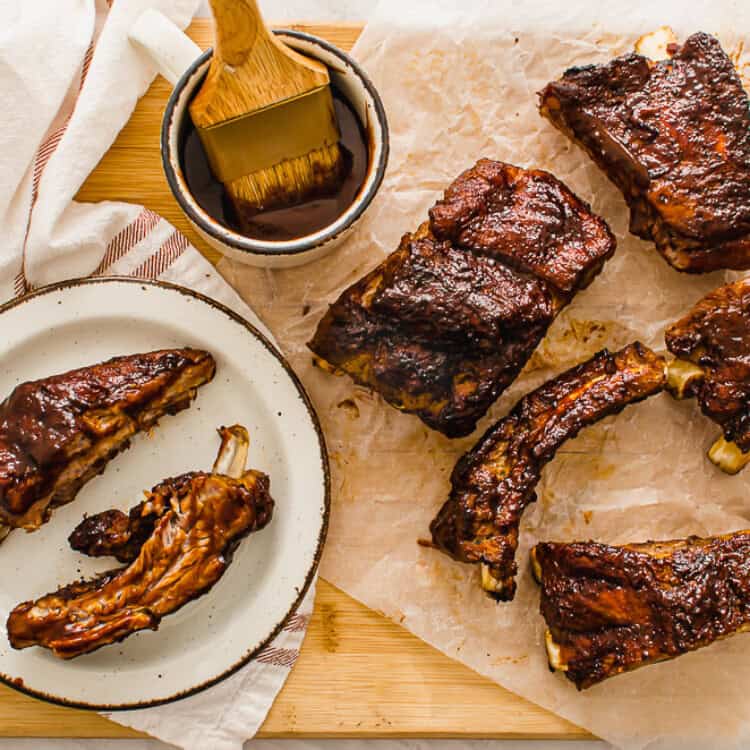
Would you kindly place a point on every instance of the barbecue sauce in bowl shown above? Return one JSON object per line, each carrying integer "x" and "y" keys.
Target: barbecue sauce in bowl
{"x": 286, "y": 223}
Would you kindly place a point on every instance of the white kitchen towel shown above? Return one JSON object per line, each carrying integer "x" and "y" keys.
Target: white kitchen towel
{"x": 70, "y": 80}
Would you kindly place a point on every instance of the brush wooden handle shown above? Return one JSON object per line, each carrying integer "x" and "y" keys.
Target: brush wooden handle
{"x": 251, "y": 68}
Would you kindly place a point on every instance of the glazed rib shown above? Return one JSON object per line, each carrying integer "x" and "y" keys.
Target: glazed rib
{"x": 712, "y": 344}
{"x": 446, "y": 322}
{"x": 113, "y": 533}
{"x": 196, "y": 521}
{"x": 611, "y": 609}
{"x": 674, "y": 136}
{"x": 59, "y": 432}
{"x": 494, "y": 482}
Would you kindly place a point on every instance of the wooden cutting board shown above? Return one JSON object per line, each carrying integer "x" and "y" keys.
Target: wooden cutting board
{"x": 358, "y": 675}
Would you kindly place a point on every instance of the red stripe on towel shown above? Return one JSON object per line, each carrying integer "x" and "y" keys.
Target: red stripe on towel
{"x": 163, "y": 258}
{"x": 44, "y": 154}
{"x": 278, "y": 657}
{"x": 297, "y": 623}
{"x": 126, "y": 239}
{"x": 87, "y": 58}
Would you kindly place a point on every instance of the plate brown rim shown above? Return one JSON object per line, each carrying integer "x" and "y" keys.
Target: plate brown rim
{"x": 61, "y": 285}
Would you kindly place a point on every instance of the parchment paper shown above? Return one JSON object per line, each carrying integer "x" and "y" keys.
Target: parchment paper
{"x": 459, "y": 83}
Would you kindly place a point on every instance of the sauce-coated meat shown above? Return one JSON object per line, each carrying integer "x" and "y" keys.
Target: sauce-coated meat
{"x": 715, "y": 338}
{"x": 525, "y": 218}
{"x": 59, "y": 432}
{"x": 674, "y": 136}
{"x": 611, "y": 609}
{"x": 196, "y": 521}
{"x": 447, "y": 321}
{"x": 113, "y": 533}
{"x": 494, "y": 482}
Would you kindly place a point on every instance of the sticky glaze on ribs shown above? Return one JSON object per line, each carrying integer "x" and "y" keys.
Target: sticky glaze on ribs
{"x": 59, "y": 432}
{"x": 447, "y": 321}
{"x": 674, "y": 136}
{"x": 494, "y": 482}
{"x": 113, "y": 533}
{"x": 712, "y": 344}
{"x": 196, "y": 521}
{"x": 611, "y": 609}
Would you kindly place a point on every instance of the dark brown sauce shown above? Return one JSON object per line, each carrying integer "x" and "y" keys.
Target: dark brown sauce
{"x": 287, "y": 223}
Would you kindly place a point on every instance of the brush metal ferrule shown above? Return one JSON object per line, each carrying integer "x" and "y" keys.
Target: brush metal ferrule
{"x": 258, "y": 140}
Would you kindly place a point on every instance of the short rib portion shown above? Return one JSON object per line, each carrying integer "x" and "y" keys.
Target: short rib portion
{"x": 494, "y": 482}
{"x": 113, "y": 533}
{"x": 611, "y": 609}
{"x": 712, "y": 343}
{"x": 446, "y": 322}
{"x": 59, "y": 432}
{"x": 196, "y": 521}
{"x": 674, "y": 136}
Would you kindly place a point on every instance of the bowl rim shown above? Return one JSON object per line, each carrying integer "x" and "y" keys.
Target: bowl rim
{"x": 251, "y": 329}
{"x": 236, "y": 241}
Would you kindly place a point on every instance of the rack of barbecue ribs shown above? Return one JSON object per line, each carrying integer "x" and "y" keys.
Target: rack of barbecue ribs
{"x": 492, "y": 484}
{"x": 712, "y": 347}
{"x": 178, "y": 542}
{"x": 611, "y": 609}
{"x": 59, "y": 432}
{"x": 447, "y": 321}
{"x": 674, "y": 135}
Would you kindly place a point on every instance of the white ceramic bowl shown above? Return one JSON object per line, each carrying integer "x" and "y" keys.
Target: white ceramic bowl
{"x": 352, "y": 82}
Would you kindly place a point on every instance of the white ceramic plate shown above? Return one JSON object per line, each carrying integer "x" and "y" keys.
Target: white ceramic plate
{"x": 84, "y": 322}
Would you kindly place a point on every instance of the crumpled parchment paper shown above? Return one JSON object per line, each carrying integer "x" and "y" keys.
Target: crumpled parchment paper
{"x": 459, "y": 82}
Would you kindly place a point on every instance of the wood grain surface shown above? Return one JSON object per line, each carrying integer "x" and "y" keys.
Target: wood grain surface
{"x": 358, "y": 675}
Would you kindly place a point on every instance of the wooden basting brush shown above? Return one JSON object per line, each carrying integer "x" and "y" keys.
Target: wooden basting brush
{"x": 265, "y": 116}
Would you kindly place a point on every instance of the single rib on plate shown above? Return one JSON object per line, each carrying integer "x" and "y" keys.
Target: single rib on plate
{"x": 446, "y": 322}
{"x": 195, "y": 522}
{"x": 494, "y": 482}
{"x": 611, "y": 609}
{"x": 712, "y": 346}
{"x": 674, "y": 135}
{"x": 59, "y": 432}
{"x": 112, "y": 533}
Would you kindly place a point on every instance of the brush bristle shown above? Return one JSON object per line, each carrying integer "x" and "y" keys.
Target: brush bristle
{"x": 289, "y": 183}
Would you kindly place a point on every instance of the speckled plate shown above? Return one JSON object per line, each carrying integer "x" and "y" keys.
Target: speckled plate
{"x": 83, "y": 322}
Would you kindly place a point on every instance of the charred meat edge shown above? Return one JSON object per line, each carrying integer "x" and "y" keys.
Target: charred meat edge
{"x": 658, "y": 568}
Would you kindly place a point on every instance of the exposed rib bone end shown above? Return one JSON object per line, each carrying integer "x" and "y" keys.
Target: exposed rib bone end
{"x": 500, "y": 589}
{"x": 536, "y": 568}
{"x": 728, "y": 456}
{"x": 655, "y": 45}
{"x": 326, "y": 366}
{"x": 554, "y": 653}
{"x": 232, "y": 456}
{"x": 489, "y": 582}
{"x": 683, "y": 377}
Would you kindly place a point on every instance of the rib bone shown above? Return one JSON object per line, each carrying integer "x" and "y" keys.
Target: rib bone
{"x": 232, "y": 457}
{"x": 683, "y": 377}
{"x": 727, "y": 456}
